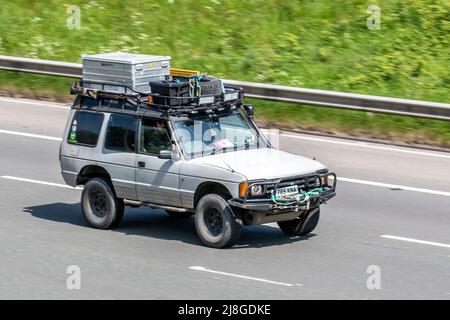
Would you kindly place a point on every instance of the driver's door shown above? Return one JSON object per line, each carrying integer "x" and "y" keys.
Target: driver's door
{"x": 157, "y": 180}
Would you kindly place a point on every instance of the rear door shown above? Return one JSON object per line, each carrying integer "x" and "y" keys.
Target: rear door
{"x": 118, "y": 154}
{"x": 157, "y": 180}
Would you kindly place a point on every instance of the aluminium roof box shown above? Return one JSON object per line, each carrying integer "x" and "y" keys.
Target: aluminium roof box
{"x": 125, "y": 69}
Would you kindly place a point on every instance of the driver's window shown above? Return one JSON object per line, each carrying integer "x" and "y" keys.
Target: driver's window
{"x": 154, "y": 136}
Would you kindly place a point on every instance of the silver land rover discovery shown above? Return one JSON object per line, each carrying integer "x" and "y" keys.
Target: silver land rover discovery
{"x": 202, "y": 155}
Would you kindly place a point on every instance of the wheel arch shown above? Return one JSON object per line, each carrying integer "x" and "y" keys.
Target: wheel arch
{"x": 91, "y": 171}
{"x": 210, "y": 187}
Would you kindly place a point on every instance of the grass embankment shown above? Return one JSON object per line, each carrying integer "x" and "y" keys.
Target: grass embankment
{"x": 312, "y": 44}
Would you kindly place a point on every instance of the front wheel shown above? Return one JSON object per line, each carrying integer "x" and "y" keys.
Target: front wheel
{"x": 302, "y": 225}
{"x": 100, "y": 206}
{"x": 216, "y": 223}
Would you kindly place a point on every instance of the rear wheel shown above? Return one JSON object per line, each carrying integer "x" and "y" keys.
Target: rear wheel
{"x": 302, "y": 225}
{"x": 216, "y": 223}
{"x": 100, "y": 206}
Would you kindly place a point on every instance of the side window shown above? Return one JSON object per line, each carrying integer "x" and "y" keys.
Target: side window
{"x": 85, "y": 128}
{"x": 154, "y": 136}
{"x": 121, "y": 133}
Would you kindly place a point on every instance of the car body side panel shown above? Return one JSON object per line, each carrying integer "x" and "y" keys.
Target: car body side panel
{"x": 159, "y": 181}
{"x": 193, "y": 174}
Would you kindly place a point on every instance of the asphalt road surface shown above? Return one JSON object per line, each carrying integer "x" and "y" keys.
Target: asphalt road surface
{"x": 389, "y": 227}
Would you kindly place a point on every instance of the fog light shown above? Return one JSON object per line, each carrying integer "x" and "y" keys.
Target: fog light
{"x": 331, "y": 181}
{"x": 328, "y": 181}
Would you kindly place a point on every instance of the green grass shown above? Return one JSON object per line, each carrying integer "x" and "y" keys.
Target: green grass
{"x": 314, "y": 44}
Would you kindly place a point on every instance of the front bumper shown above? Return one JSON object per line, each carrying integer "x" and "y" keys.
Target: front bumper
{"x": 267, "y": 205}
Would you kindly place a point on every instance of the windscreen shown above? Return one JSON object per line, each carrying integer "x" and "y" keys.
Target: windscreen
{"x": 207, "y": 136}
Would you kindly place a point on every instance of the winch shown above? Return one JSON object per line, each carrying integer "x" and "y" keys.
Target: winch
{"x": 296, "y": 199}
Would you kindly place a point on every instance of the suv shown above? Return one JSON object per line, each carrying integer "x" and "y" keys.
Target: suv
{"x": 202, "y": 156}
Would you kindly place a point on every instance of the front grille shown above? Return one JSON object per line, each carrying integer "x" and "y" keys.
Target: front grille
{"x": 305, "y": 183}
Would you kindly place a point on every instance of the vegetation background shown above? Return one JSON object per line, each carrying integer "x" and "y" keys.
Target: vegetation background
{"x": 311, "y": 43}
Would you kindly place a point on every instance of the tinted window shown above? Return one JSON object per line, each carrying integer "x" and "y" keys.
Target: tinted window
{"x": 127, "y": 104}
{"x": 121, "y": 133}
{"x": 85, "y": 128}
{"x": 154, "y": 136}
{"x": 89, "y": 102}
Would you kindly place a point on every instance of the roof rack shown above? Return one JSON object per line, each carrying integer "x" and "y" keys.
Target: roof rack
{"x": 230, "y": 99}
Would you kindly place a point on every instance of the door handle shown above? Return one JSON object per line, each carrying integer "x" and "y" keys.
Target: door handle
{"x": 141, "y": 164}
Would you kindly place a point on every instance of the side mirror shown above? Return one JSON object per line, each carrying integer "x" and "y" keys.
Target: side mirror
{"x": 249, "y": 109}
{"x": 165, "y": 154}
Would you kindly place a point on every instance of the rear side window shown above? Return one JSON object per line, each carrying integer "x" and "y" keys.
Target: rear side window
{"x": 85, "y": 128}
{"x": 121, "y": 133}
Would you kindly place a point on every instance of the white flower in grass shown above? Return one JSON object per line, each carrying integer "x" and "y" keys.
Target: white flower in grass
{"x": 92, "y": 4}
{"x": 143, "y": 36}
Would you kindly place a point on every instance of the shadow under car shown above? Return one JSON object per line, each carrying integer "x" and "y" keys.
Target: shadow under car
{"x": 156, "y": 223}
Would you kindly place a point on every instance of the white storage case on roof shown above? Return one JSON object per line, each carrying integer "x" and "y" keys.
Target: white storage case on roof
{"x": 125, "y": 69}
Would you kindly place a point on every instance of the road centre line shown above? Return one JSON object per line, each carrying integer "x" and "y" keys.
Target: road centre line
{"x": 30, "y": 135}
{"x": 284, "y": 134}
{"x": 41, "y": 182}
{"x": 431, "y": 243}
{"x": 199, "y": 268}
{"x": 351, "y": 180}
{"x": 394, "y": 186}
{"x": 371, "y": 183}
{"x": 364, "y": 145}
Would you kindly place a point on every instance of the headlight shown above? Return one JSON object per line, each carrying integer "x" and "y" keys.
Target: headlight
{"x": 256, "y": 190}
{"x": 317, "y": 182}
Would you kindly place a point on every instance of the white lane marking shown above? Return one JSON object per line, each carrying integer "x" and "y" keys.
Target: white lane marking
{"x": 41, "y": 182}
{"x": 366, "y": 182}
{"x": 395, "y": 186}
{"x": 297, "y": 136}
{"x": 431, "y": 243}
{"x": 368, "y": 145}
{"x": 36, "y": 103}
{"x": 30, "y": 135}
{"x": 198, "y": 268}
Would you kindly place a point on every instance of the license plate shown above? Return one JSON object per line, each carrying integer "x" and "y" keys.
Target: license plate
{"x": 287, "y": 191}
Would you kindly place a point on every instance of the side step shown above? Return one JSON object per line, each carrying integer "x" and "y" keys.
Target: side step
{"x": 136, "y": 204}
